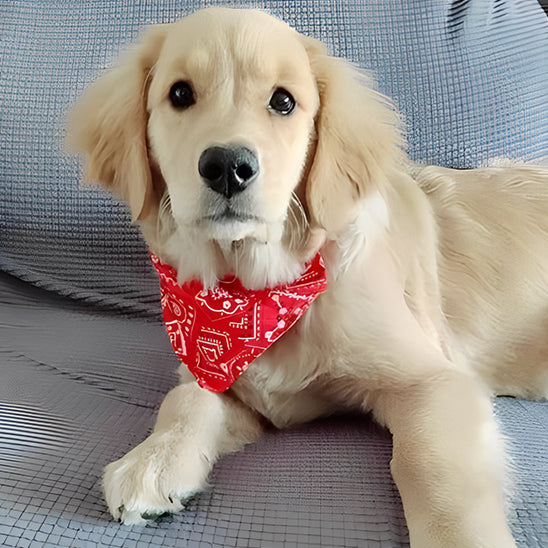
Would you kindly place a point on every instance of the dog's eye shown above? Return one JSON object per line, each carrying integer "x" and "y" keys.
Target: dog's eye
{"x": 282, "y": 102}
{"x": 181, "y": 95}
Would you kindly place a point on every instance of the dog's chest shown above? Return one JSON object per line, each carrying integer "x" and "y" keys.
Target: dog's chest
{"x": 310, "y": 371}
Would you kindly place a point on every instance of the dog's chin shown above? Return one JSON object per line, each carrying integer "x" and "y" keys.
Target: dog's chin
{"x": 250, "y": 248}
{"x": 253, "y": 250}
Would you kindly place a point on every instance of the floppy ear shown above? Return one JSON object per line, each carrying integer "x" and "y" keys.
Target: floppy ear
{"x": 109, "y": 122}
{"x": 358, "y": 140}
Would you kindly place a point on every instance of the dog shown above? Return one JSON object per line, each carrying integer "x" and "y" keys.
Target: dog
{"x": 249, "y": 156}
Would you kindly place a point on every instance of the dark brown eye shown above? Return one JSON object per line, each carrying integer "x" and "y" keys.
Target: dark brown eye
{"x": 181, "y": 95}
{"x": 282, "y": 102}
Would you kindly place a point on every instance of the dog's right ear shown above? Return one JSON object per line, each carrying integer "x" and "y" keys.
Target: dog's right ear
{"x": 108, "y": 123}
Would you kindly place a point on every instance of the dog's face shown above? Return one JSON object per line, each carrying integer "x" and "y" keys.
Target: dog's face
{"x": 237, "y": 143}
{"x": 231, "y": 107}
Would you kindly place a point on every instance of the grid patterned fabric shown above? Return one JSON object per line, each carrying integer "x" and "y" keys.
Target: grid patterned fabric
{"x": 468, "y": 75}
{"x": 68, "y": 409}
{"x": 80, "y": 387}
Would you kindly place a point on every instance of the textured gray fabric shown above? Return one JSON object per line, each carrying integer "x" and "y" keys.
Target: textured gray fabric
{"x": 79, "y": 388}
{"x": 80, "y": 385}
{"x": 468, "y": 75}
{"x": 68, "y": 409}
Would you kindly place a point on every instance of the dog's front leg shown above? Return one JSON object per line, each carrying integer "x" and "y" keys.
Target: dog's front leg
{"x": 447, "y": 462}
{"x": 194, "y": 427}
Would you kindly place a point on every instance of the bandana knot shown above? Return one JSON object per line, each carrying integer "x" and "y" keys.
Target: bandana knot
{"x": 218, "y": 332}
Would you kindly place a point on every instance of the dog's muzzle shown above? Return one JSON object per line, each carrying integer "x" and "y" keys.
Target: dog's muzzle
{"x": 228, "y": 170}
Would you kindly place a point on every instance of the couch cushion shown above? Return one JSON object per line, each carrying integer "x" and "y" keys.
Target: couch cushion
{"x": 80, "y": 387}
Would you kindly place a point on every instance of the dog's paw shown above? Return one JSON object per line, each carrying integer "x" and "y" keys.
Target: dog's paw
{"x": 155, "y": 478}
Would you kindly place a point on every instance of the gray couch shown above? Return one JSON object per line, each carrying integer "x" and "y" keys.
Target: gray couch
{"x": 84, "y": 359}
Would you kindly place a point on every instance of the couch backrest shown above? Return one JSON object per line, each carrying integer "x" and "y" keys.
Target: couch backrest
{"x": 470, "y": 77}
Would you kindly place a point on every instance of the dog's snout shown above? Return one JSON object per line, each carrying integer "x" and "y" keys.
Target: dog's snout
{"x": 228, "y": 170}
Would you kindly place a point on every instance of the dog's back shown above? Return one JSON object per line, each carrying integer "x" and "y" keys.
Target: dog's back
{"x": 493, "y": 264}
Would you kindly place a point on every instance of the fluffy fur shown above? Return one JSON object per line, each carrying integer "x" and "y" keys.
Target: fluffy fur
{"x": 438, "y": 279}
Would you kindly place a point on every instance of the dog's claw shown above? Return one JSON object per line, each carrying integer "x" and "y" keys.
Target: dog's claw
{"x": 152, "y": 516}
{"x": 132, "y": 517}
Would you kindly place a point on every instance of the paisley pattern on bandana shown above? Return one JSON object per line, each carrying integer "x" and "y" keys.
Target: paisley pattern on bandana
{"x": 217, "y": 333}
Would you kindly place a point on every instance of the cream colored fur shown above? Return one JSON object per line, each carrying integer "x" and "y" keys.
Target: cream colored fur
{"x": 438, "y": 279}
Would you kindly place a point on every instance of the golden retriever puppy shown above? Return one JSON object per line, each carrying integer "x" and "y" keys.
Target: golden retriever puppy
{"x": 253, "y": 160}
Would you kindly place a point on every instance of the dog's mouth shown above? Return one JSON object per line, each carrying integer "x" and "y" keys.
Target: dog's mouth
{"x": 229, "y": 225}
{"x": 230, "y": 216}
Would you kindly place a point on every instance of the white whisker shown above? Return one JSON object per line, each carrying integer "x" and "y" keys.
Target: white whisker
{"x": 165, "y": 224}
{"x": 296, "y": 224}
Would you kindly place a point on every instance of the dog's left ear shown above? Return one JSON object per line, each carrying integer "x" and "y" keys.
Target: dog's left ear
{"x": 358, "y": 140}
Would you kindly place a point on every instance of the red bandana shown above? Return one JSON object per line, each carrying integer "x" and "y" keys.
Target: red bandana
{"x": 217, "y": 333}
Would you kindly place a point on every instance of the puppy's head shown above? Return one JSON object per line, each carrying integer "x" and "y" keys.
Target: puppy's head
{"x": 234, "y": 140}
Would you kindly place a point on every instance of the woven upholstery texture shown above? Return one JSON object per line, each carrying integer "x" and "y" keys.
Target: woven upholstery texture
{"x": 469, "y": 81}
{"x": 85, "y": 361}
{"x": 68, "y": 409}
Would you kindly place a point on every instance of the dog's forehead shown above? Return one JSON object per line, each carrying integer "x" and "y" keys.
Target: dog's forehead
{"x": 248, "y": 41}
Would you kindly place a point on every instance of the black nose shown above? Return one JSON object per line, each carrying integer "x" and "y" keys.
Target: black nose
{"x": 228, "y": 170}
